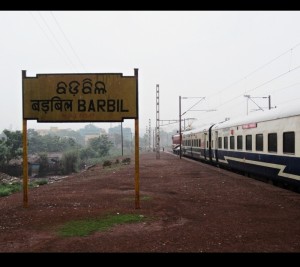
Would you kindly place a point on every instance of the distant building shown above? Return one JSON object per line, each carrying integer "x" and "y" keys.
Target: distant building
{"x": 91, "y": 131}
{"x": 48, "y": 131}
{"x": 90, "y": 136}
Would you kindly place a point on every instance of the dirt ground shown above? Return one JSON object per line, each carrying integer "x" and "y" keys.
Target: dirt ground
{"x": 191, "y": 206}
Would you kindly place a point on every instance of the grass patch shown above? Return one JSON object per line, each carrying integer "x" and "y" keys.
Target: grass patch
{"x": 8, "y": 189}
{"x": 37, "y": 183}
{"x": 89, "y": 226}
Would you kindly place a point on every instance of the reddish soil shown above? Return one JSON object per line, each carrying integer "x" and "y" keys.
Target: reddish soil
{"x": 191, "y": 207}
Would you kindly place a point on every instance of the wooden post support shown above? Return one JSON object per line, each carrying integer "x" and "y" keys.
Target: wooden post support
{"x": 25, "y": 166}
{"x": 137, "y": 166}
{"x": 137, "y": 153}
{"x": 25, "y": 158}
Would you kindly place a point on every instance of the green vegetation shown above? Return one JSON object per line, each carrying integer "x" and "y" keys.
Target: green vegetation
{"x": 10, "y": 146}
{"x": 44, "y": 165}
{"x": 70, "y": 162}
{"x": 89, "y": 226}
{"x": 8, "y": 189}
{"x": 51, "y": 143}
{"x": 37, "y": 183}
{"x": 107, "y": 163}
{"x": 101, "y": 145}
{"x": 69, "y": 144}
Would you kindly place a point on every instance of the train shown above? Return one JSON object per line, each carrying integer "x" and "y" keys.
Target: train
{"x": 263, "y": 144}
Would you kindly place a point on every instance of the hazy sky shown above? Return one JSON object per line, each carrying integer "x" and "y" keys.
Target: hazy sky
{"x": 219, "y": 55}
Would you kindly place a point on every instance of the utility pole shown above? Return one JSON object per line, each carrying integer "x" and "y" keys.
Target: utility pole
{"x": 180, "y": 126}
{"x": 146, "y": 138}
{"x": 153, "y": 142}
{"x": 181, "y": 114}
{"x": 122, "y": 136}
{"x": 149, "y": 134}
{"x": 157, "y": 123}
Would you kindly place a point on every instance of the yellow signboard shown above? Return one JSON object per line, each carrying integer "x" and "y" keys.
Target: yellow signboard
{"x": 80, "y": 97}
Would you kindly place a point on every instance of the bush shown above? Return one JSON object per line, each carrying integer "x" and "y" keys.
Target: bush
{"x": 70, "y": 162}
{"x": 8, "y": 189}
{"x": 44, "y": 164}
{"x": 107, "y": 163}
{"x": 126, "y": 161}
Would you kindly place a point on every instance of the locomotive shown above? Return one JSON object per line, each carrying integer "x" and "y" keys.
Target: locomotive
{"x": 263, "y": 144}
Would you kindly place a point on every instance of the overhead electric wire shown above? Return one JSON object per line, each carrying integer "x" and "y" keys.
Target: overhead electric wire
{"x": 51, "y": 41}
{"x": 280, "y": 75}
{"x": 66, "y": 38}
{"x": 236, "y": 97}
{"x": 257, "y": 69}
{"x": 264, "y": 83}
{"x": 291, "y": 100}
{"x": 53, "y": 35}
{"x": 282, "y": 88}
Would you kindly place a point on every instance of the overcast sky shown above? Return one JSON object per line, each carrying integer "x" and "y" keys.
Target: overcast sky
{"x": 219, "y": 55}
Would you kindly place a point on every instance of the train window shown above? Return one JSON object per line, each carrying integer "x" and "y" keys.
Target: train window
{"x": 206, "y": 144}
{"x": 239, "y": 142}
{"x": 199, "y": 142}
{"x": 226, "y": 142}
{"x": 220, "y": 142}
{"x": 212, "y": 144}
{"x": 231, "y": 142}
{"x": 272, "y": 142}
{"x": 289, "y": 142}
{"x": 248, "y": 142}
{"x": 259, "y": 140}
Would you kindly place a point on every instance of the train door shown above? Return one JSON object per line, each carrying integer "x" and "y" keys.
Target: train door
{"x": 205, "y": 144}
{"x": 216, "y": 145}
{"x": 210, "y": 142}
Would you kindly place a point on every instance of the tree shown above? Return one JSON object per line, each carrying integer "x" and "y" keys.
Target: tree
{"x": 3, "y": 152}
{"x": 44, "y": 164}
{"x": 87, "y": 153}
{"x": 13, "y": 143}
{"x": 50, "y": 143}
{"x": 101, "y": 145}
{"x": 35, "y": 142}
{"x": 70, "y": 162}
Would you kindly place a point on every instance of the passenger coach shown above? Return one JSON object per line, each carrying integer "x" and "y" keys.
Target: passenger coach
{"x": 266, "y": 144}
